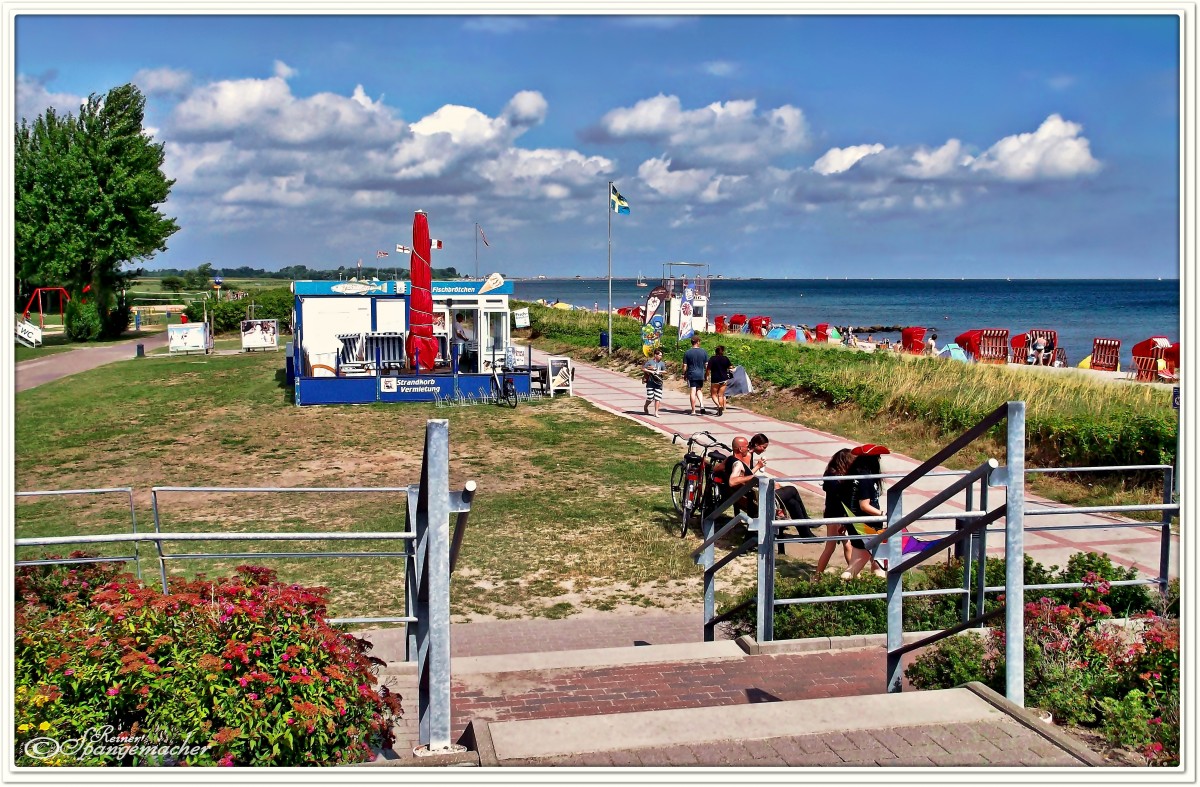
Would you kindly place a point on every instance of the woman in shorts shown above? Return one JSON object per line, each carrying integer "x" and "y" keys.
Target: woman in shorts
{"x": 718, "y": 374}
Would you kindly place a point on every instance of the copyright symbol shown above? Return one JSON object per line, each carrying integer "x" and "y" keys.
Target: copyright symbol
{"x": 42, "y": 748}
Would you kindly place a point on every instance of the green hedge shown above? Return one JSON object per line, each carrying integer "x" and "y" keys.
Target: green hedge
{"x": 273, "y": 304}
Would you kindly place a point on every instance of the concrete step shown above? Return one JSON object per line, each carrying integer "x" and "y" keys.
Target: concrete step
{"x": 970, "y": 725}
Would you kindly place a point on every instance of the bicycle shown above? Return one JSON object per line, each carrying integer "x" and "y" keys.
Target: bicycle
{"x": 504, "y": 391}
{"x": 692, "y": 486}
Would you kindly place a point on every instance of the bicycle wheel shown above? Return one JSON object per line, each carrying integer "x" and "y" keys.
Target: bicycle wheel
{"x": 691, "y": 496}
{"x": 510, "y": 393}
{"x": 677, "y": 475}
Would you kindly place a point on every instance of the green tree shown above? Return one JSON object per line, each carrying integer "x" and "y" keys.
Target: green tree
{"x": 172, "y": 283}
{"x": 87, "y": 195}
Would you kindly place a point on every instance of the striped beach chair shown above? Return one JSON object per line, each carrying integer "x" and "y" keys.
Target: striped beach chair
{"x": 993, "y": 345}
{"x": 390, "y": 347}
{"x": 1106, "y": 354}
{"x": 352, "y": 359}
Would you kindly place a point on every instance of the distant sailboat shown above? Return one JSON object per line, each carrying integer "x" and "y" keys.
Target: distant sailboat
{"x": 641, "y": 282}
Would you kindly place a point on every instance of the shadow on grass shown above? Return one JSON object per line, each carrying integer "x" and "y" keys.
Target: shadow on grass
{"x": 289, "y": 390}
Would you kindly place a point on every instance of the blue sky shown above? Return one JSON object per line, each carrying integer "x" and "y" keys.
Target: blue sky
{"x": 886, "y": 146}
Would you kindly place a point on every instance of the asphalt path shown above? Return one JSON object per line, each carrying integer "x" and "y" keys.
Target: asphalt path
{"x": 39, "y": 371}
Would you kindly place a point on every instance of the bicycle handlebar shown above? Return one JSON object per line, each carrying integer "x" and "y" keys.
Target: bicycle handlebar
{"x": 695, "y": 439}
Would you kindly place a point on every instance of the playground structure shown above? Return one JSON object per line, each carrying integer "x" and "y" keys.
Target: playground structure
{"x": 39, "y": 295}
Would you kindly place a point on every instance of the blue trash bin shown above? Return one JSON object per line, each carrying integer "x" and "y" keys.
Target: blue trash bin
{"x": 604, "y": 339}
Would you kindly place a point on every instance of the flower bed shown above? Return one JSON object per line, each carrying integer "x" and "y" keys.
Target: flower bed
{"x": 232, "y": 671}
{"x": 1121, "y": 680}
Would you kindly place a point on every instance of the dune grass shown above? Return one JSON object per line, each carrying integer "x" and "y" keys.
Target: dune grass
{"x": 918, "y": 404}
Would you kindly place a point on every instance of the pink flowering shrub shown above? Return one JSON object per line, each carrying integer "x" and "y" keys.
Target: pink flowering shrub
{"x": 1121, "y": 680}
{"x": 245, "y": 669}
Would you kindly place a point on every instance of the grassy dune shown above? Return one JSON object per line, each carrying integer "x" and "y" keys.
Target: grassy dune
{"x": 918, "y": 404}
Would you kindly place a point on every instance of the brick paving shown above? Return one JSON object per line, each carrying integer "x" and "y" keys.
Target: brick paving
{"x": 798, "y": 451}
{"x": 557, "y": 693}
{"x": 1002, "y": 743}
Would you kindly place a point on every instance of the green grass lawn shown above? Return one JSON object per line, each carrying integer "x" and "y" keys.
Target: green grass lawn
{"x": 572, "y": 509}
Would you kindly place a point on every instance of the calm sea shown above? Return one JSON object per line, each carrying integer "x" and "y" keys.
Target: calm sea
{"x": 1080, "y": 310}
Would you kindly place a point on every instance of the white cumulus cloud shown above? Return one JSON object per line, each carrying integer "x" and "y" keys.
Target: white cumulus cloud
{"x": 937, "y": 163}
{"x": 162, "y": 81}
{"x": 731, "y": 131}
{"x": 1056, "y": 150}
{"x": 33, "y": 98}
{"x": 838, "y": 160}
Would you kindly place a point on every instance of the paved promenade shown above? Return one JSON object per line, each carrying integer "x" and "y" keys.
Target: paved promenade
{"x": 798, "y": 451}
{"x": 39, "y": 371}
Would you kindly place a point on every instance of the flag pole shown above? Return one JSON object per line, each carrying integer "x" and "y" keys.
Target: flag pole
{"x": 477, "y": 250}
{"x": 609, "y": 207}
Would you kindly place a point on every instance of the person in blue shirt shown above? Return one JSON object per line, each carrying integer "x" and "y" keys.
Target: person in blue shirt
{"x": 695, "y": 369}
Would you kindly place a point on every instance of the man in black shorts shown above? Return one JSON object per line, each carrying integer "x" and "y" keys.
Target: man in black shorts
{"x": 695, "y": 369}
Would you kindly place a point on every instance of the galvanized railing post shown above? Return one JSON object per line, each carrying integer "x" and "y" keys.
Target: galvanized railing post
{"x": 968, "y": 557}
{"x": 414, "y": 567}
{"x": 764, "y": 523}
{"x": 980, "y": 556}
{"x": 1164, "y": 553}
{"x": 137, "y": 558}
{"x": 895, "y": 593}
{"x": 433, "y": 654}
{"x": 162, "y": 561}
{"x": 708, "y": 526}
{"x": 1014, "y": 557}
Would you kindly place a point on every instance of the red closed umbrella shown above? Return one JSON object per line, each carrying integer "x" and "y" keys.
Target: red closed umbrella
{"x": 422, "y": 346}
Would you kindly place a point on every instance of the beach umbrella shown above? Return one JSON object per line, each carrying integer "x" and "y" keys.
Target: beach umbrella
{"x": 422, "y": 347}
{"x": 563, "y": 305}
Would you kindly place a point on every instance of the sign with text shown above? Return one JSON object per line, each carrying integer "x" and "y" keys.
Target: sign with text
{"x": 1175, "y": 397}
{"x": 521, "y": 318}
{"x": 31, "y": 335}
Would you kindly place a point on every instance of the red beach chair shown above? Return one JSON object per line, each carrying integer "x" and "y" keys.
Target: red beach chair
{"x": 721, "y": 324}
{"x": 760, "y": 325}
{"x": 1171, "y": 356}
{"x": 969, "y": 342}
{"x": 913, "y": 340}
{"x": 1106, "y": 354}
{"x": 1146, "y": 357}
{"x": 1022, "y": 353}
{"x": 993, "y": 345}
{"x": 822, "y": 333}
{"x": 737, "y": 323}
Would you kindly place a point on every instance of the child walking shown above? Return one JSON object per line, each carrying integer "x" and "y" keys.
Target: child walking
{"x": 652, "y": 374}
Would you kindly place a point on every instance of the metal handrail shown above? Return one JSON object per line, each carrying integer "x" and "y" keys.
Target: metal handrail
{"x": 971, "y": 524}
{"x": 961, "y": 484}
{"x": 427, "y": 575}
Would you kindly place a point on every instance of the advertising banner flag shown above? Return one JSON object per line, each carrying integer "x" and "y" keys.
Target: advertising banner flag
{"x": 685, "y": 314}
{"x": 653, "y": 301}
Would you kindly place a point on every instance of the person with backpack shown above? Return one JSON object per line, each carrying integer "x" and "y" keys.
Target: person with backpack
{"x": 863, "y": 500}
